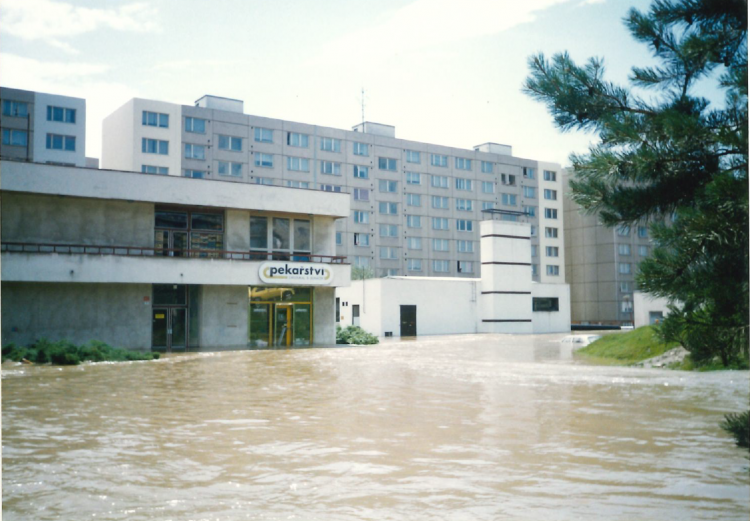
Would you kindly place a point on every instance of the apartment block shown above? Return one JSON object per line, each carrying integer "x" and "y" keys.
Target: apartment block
{"x": 43, "y": 128}
{"x": 415, "y": 207}
{"x": 601, "y": 264}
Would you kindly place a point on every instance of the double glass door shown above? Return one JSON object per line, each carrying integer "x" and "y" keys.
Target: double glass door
{"x": 169, "y": 329}
{"x": 279, "y": 317}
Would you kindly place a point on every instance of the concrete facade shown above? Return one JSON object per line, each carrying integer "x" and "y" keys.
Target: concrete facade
{"x": 648, "y": 309}
{"x": 43, "y": 128}
{"x": 415, "y": 207}
{"x": 80, "y": 259}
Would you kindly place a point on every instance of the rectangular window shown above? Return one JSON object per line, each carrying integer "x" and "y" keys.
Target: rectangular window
{"x": 529, "y": 210}
{"x": 64, "y": 115}
{"x": 439, "y": 223}
{"x": 623, "y": 249}
{"x": 150, "y": 146}
{"x": 195, "y": 125}
{"x": 230, "y": 169}
{"x": 533, "y": 231}
{"x": 465, "y": 205}
{"x": 643, "y": 251}
{"x": 298, "y": 184}
{"x": 414, "y": 243}
{"x": 464, "y": 184}
{"x": 438, "y": 160}
{"x": 298, "y": 164}
{"x": 386, "y": 163}
{"x": 294, "y": 139}
{"x": 150, "y": 119}
{"x": 413, "y": 178}
{"x": 462, "y": 163}
{"x": 388, "y": 230}
{"x": 68, "y": 143}
{"x": 361, "y": 217}
{"x": 529, "y": 192}
{"x": 553, "y": 270}
{"x": 16, "y": 138}
{"x": 388, "y": 252}
{"x": 535, "y": 270}
{"x": 388, "y": 186}
{"x": 549, "y": 175}
{"x": 330, "y": 188}
{"x": 625, "y": 287}
{"x": 16, "y": 109}
{"x": 465, "y": 246}
{"x": 440, "y": 245}
{"x": 361, "y": 262}
{"x": 339, "y": 239}
{"x": 361, "y": 194}
{"x": 552, "y": 251}
{"x": 414, "y": 221}
{"x": 487, "y": 205}
{"x": 361, "y": 149}
{"x": 464, "y": 225}
{"x": 508, "y": 179}
{"x": 330, "y": 168}
{"x": 528, "y": 173}
{"x": 258, "y": 233}
{"x": 488, "y": 187}
{"x": 509, "y": 217}
{"x": 464, "y": 267}
{"x": 195, "y": 174}
{"x": 412, "y": 156}
{"x": 231, "y": 143}
{"x": 439, "y": 202}
{"x": 624, "y": 268}
{"x": 487, "y": 167}
{"x": 361, "y": 239}
{"x": 440, "y": 266}
{"x": 534, "y": 250}
{"x": 623, "y": 230}
{"x": 550, "y": 233}
{"x": 264, "y": 160}
{"x": 195, "y": 151}
{"x": 439, "y": 181}
{"x": 329, "y": 144}
{"x": 550, "y": 195}
{"x": 413, "y": 200}
{"x": 151, "y": 169}
{"x": 414, "y": 264}
{"x": 550, "y": 213}
{"x": 545, "y": 304}
{"x": 642, "y": 231}
{"x": 361, "y": 172}
{"x": 508, "y": 199}
{"x": 263, "y": 135}
{"x": 388, "y": 208}
{"x": 263, "y": 181}
{"x": 626, "y": 306}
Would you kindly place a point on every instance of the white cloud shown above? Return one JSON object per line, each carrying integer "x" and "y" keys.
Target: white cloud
{"x": 51, "y": 22}
{"x": 590, "y": 2}
{"x": 426, "y": 23}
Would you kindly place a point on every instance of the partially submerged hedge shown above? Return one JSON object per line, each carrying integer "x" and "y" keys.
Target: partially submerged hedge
{"x": 354, "y": 335}
{"x": 64, "y": 352}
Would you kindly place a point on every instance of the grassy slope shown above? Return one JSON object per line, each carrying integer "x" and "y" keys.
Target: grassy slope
{"x": 626, "y": 348}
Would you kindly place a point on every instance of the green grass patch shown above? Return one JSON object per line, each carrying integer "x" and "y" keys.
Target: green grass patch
{"x": 626, "y": 348}
{"x": 63, "y": 352}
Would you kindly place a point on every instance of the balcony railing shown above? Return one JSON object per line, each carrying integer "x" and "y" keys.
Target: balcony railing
{"x": 138, "y": 251}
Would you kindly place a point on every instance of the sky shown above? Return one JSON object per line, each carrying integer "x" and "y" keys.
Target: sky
{"x": 448, "y": 72}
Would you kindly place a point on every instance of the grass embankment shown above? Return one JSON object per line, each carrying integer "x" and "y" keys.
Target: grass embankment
{"x": 626, "y": 348}
{"x": 67, "y": 353}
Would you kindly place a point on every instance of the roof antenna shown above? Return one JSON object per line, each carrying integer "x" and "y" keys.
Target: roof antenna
{"x": 362, "y": 100}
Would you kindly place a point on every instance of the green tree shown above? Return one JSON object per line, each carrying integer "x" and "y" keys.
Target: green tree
{"x": 665, "y": 156}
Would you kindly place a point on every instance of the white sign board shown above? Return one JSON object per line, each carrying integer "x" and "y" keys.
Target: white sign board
{"x": 296, "y": 273}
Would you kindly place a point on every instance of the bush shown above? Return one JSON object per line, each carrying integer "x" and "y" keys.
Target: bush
{"x": 64, "y": 352}
{"x": 354, "y": 335}
{"x": 738, "y": 425}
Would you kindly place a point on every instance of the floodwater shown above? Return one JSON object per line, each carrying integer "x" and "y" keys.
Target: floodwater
{"x": 476, "y": 427}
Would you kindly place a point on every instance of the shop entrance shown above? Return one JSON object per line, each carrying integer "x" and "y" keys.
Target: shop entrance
{"x": 279, "y": 317}
{"x": 408, "y": 320}
{"x": 174, "y": 318}
{"x": 168, "y": 331}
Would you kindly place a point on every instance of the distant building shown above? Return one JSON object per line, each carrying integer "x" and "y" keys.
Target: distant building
{"x": 43, "y": 128}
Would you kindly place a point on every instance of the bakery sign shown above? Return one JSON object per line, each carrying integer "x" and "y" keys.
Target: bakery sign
{"x": 296, "y": 273}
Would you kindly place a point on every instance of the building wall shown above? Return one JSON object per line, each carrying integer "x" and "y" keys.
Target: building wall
{"x": 324, "y": 316}
{"x": 223, "y": 316}
{"x": 552, "y": 321}
{"x": 118, "y": 139}
{"x": 23, "y": 124}
{"x": 43, "y": 127}
{"x": 113, "y": 313}
{"x": 644, "y": 304}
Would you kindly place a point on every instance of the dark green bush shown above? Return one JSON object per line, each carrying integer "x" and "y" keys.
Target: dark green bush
{"x": 354, "y": 335}
{"x": 64, "y": 352}
{"x": 738, "y": 425}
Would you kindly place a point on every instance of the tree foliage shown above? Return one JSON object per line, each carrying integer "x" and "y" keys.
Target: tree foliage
{"x": 667, "y": 157}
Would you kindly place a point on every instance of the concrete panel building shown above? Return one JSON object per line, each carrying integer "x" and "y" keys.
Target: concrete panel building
{"x": 415, "y": 207}
{"x": 43, "y": 128}
{"x": 166, "y": 263}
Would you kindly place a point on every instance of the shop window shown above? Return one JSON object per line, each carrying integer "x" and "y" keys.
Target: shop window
{"x": 280, "y": 238}
{"x": 188, "y": 233}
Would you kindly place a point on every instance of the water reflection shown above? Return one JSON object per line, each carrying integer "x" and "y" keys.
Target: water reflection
{"x": 465, "y": 427}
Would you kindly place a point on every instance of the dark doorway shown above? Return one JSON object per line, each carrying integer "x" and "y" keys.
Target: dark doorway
{"x": 408, "y": 320}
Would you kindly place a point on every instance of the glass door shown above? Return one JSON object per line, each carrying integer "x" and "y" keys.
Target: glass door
{"x": 259, "y": 334}
{"x": 302, "y": 324}
{"x": 283, "y": 327}
{"x": 159, "y": 325}
{"x": 177, "y": 329}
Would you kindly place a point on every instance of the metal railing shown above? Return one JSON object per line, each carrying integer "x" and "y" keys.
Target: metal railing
{"x": 139, "y": 251}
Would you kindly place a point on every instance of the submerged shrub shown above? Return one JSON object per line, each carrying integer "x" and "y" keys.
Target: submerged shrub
{"x": 354, "y": 335}
{"x": 64, "y": 352}
{"x": 738, "y": 425}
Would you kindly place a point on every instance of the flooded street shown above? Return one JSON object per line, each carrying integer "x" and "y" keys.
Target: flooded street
{"x": 478, "y": 427}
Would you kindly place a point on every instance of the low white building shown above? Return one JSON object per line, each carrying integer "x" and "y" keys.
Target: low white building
{"x": 503, "y": 300}
{"x": 648, "y": 309}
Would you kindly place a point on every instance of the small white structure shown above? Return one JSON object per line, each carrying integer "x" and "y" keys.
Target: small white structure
{"x": 648, "y": 310}
{"x": 503, "y": 300}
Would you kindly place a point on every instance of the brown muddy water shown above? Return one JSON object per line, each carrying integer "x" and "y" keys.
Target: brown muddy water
{"x": 478, "y": 427}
